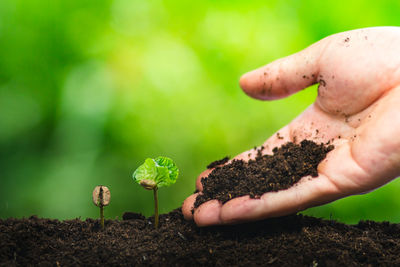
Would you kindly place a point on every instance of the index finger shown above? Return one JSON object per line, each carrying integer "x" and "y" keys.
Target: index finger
{"x": 284, "y": 76}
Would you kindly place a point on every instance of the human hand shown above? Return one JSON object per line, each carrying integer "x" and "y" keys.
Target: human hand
{"x": 357, "y": 105}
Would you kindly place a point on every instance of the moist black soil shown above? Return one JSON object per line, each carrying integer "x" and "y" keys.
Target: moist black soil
{"x": 218, "y": 162}
{"x": 288, "y": 164}
{"x": 294, "y": 240}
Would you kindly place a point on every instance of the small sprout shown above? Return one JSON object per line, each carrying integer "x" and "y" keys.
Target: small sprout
{"x": 155, "y": 173}
{"x": 101, "y": 198}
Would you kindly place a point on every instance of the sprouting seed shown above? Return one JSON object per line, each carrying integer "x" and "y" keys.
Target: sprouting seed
{"x": 155, "y": 173}
{"x": 101, "y": 198}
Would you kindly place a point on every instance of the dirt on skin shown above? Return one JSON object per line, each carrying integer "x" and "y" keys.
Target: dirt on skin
{"x": 294, "y": 240}
{"x": 288, "y": 164}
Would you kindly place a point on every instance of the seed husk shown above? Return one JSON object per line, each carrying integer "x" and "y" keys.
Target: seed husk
{"x": 148, "y": 184}
{"x": 101, "y": 196}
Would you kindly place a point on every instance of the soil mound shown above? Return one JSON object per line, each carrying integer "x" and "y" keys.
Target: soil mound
{"x": 294, "y": 240}
{"x": 266, "y": 173}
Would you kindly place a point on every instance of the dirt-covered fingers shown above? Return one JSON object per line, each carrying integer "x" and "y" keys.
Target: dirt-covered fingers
{"x": 208, "y": 213}
{"x": 205, "y": 173}
{"x": 284, "y": 76}
{"x": 307, "y": 193}
{"x": 188, "y": 205}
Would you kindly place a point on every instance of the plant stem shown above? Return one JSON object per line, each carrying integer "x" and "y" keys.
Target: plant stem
{"x": 155, "y": 207}
{"x": 101, "y": 198}
{"x": 102, "y": 217}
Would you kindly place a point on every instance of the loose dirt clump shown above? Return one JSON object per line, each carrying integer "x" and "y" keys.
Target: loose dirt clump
{"x": 218, "y": 162}
{"x": 288, "y": 164}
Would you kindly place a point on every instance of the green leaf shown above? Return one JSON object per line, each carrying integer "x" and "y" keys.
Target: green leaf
{"x": 162, "y": 170}
{"x": 146, "y": 171}
{"x": 168, "y": 171}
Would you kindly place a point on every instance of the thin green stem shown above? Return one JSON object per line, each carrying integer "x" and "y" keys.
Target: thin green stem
{"x": 102, "y": 217}
{"x": 155, "y": 207}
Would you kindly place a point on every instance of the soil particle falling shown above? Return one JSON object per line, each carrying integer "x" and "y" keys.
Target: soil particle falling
{"x": 281, "y": 170}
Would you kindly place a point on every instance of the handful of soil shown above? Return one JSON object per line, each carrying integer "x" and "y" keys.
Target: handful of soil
{"x": 266, "y": 173}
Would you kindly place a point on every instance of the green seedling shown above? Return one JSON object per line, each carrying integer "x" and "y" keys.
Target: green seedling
{"x": 101, "y": 198}
{"x": 155, "y": 173}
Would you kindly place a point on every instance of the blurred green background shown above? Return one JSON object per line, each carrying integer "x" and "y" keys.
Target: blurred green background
{"x": 89, "y": 89}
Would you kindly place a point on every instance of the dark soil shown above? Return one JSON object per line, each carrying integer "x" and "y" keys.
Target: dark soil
{"x": 287, "y": 241}
{"x": 293, "y": 240}
{"x": 218, "y": 162}
{"x": 284, "y": 168}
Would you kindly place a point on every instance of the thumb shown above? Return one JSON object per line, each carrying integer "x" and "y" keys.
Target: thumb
{"x": 284, "y": 76}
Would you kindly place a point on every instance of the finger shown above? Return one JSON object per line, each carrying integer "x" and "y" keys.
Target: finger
{"x": 307, "y": 193}
{"x": 187, "y": 207}
{"x": 208, "y": 213}
{"x": 284, "y": 76}
{"x": 205, "y": 173}
{"x": 339, "y": 176}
